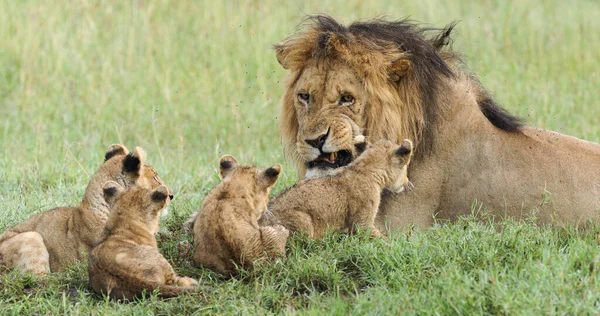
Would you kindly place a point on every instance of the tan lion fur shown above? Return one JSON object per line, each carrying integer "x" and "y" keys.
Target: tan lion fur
{"x": 467, "y": 148}
{"x": 127, "y": 262}
{"x": 226, "y": 230}
{"x": 52, "y": 240}
{"x": 346, "y": 200}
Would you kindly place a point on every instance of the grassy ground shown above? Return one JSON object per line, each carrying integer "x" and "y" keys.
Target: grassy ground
{"x": 191, "y": 80}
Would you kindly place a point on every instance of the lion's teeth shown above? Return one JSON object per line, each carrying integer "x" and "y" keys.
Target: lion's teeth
{"x": 332, "y": 157}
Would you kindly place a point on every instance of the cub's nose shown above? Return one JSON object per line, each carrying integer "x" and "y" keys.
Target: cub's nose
{"x": 319, "y": 141}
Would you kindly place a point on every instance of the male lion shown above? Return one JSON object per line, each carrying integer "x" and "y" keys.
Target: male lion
{"x": 127, "y": 262}
{"x": 388, "y": 80}
{"x": 52, "y": 240}
{"x": 226, "y": 230}
{"x": 348, "y": 198}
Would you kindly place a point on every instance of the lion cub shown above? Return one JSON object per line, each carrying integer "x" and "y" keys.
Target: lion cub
{"x": 226, "y": 229}
{"x": 52, "y": 240}
{"x": 348, "y": 198}
{"x": 127, "y": 261}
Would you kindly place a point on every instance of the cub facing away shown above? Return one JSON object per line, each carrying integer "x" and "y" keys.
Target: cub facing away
{"x": 52, "y": 240}
{"x": 347, "y": 199}
{"x": 127, "y": 261}
{"x": 226, "y": 229}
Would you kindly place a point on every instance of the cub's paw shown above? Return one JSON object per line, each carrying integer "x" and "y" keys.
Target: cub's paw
{"x": 185, "y": 281}
{"x": 375, "y": 233}
{"x": 283, "y": 234}
{"x": 281, "y": 231}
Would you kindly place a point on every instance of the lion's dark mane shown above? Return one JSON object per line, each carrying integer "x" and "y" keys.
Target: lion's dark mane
{"x": 425, "y": 54}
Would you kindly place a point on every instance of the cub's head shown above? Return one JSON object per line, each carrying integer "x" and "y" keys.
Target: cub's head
{"x": 135, "y": 205}
{"x": 128, "y": 169}
{"x": 385, "y": 155}
{"x": 248, "y": 181}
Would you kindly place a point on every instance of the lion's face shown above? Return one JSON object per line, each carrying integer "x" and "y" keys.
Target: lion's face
{"x": 330, "y": 105}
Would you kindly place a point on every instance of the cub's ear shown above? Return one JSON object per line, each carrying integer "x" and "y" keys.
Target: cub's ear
{"x": 160, "y": 194}
{"x": 399, "y": 69}
{"x": 360, "y": 143}
{"x": 227, "y": 164}
{"x": 134, "y": 161}
{"x": 269, "y": 176}
{"x": 159, "y": 197}
{"x": 405, "y": 149}
{"x": 112, "y": 190}
{"x": 115, "y": 150}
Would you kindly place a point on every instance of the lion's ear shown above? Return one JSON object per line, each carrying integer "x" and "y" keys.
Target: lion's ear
{"x": 399, "y": 69}
{"x": 134, "y": 161}
{"x": 268, "y": 177}
{"x": 111, "y": 191}
{"x": 226, "y": 165}
{"x": 281, "y": 56}
{"x": 115, "y": 150}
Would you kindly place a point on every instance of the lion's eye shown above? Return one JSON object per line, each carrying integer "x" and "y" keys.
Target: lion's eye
{"x": 346, "y": 99}
{"x": 303, "y": 97}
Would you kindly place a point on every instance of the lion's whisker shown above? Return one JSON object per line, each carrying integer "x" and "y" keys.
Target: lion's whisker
{"x": 409, "y": 187}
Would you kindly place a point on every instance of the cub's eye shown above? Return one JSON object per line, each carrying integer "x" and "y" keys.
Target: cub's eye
{"x": 303, "y": 97}
{"x": 346, "y": 99}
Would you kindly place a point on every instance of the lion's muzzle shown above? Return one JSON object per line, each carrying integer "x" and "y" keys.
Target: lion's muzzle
{"x": 331, "y": 160}
{"x": 327, "y": 146}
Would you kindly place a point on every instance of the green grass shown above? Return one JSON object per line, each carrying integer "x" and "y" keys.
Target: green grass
{"x": 192, "y": 80}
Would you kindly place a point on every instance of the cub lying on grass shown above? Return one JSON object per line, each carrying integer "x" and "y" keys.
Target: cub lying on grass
{"x": 348, "y": 198}
{"x": 127, "y": 261}
{"x": 52, "y": 240}
{"x": 226, "y": 229}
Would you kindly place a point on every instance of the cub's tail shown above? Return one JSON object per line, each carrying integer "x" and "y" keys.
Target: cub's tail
{"x": 166, "y": 291}
{"x": 163, "y": 290}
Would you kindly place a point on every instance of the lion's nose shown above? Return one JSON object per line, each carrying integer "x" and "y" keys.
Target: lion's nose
{"x": 319, "y": 141}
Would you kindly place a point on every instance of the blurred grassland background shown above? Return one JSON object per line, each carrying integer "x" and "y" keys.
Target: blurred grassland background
{"x": 190, "y": 81}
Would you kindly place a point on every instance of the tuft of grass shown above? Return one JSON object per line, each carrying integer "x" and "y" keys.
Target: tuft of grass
{"x": 471, "y": 266}
{"x": 192, "y": 80}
